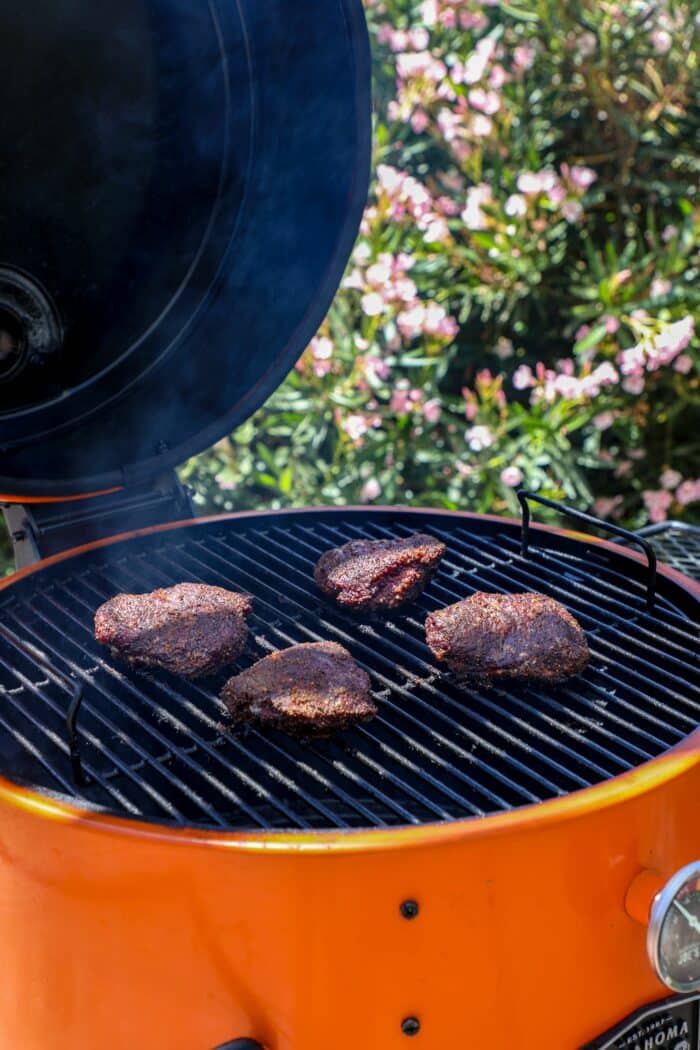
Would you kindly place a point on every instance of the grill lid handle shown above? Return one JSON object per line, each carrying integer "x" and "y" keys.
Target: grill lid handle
{"x": 589, "y": 519}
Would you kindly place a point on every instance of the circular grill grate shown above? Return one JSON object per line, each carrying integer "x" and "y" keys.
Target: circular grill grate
{"x": 157, "y": 748}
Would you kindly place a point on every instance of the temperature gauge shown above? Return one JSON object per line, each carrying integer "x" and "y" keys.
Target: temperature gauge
{"x": 673, "y": 938}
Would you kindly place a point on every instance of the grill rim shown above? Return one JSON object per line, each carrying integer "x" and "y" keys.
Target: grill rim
{"x": 647, "y": 777}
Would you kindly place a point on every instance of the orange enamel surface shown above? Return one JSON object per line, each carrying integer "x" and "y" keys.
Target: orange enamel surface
{"x": 117, "y": 934}
{"x": 4, "y": 498}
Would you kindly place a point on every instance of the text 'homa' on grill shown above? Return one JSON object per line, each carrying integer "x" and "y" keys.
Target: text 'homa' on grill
{"x": 190, "y": 629}
{"x": 313, "y": 688}
{"x": 492, "y": 636}
{"x": 379, "y": 574}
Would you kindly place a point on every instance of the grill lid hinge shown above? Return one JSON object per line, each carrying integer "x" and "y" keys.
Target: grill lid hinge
{"x": 39, "y": 530}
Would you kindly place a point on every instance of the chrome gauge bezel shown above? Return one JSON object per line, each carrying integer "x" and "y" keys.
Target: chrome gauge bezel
{"x": 660, "y": 906}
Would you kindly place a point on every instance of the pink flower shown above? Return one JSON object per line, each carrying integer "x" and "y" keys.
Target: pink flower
{"x": 633, "y": 384}
{"x": 516, "y": 205}
{"x": 603, "y": 421}
{"x": 582, "y": 177}
{"x": 418, "y": 38}
{"x": 582, "y": 332}
{"x": 398, "y": 40}
{"x": 410, "y": 322}
{"x": 479, "y": 438}
{"x": 429, "y": 12}
{"x": 657, "y": 504}
{"x": 471, "y": 20}
{"x": 354, "y": 280}
{"x": 321, "y": 368}
{"x": 659, "y": 287}
{"x": 523, "y": 57}
{"x": 557, "y": 195}
{"x": 632, "y": 360}
{"x": 432, "y": 410}
{"x": 523, "y": 377}
{"x": 605, "y": 374}
{"x": 497, "y": 77}
{"x": 372, "y": 304}
{"x": 534, "y": 183}
{"x": 606, "y": 508}
{"x": 670, "y": 479}
{"x": 476, "y": 64}
{"x": 420, "y": 121}
{"x": 677, "y": 335}
{"x": 488, "y": 102}
{"x": 447, "y": 206}
{"x": 683, "y": 364}
{"x": 611, "y": 324}
{"x": 420, "y": 64}
{"x": 405, "y": 289}
{"x": 403, "y": 262}
{"x": 668, "y": 233}
{"x": 661, "y": 40}
{"x": 436, "y": 231}
{"x": 448, "y": 327}
{"x": 481, "y": 126}
{"x": 434, "y": 317}
{"x": 376, "y": 368}
{"x": 511, "y": 476}
{"x": 321, "y": 348}
{"x": 370, "y": 490}
{"x": 572, "y": 211}
{"x": 688, "y": 492}
{"x": 473, "y": 216}
{"x": 355, "y": 426}
{"x": 378, "y": 273}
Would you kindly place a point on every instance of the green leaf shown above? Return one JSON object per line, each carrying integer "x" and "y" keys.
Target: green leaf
{"x": 595, "y": 336}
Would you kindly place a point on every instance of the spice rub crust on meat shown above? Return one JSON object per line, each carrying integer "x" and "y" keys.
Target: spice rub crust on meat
{"x": 491, "y": 636}
{"x": 314, "y": 688}
{"x": 379, "y": 574}
{"x": 190, "y": 629}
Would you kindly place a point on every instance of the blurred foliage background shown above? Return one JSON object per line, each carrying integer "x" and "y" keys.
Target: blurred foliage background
{"x": 521, "y": 303}
{"x": 520, "y": 307}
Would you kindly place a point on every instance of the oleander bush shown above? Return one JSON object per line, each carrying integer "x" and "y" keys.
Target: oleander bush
{"x": 520, "y": 305}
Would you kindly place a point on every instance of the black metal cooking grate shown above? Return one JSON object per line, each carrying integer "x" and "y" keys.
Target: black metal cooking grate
{"x": 678, "y": 544}
{"x": 155, "y": 747}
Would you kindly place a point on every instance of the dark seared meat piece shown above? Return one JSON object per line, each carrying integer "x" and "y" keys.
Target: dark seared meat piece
{"x": 314, "y": 688}
{"x": 189, "y": 629}
{"x": 491, "y": 636}
{"x": 379, "y": 574}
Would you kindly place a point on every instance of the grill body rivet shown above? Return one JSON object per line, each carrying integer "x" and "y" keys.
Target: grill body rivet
{"x": 410, "y": 909}
{"x": 410, "y": 1026}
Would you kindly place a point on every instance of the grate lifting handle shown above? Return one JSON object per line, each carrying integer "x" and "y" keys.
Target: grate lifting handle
{"x": 71, "y": 686}
{"x": 588, "y": 519}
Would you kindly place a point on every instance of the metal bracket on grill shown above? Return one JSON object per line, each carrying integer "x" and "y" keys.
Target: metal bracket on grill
{"x": 588, "y": 519}
{"x": 69, "y": 684}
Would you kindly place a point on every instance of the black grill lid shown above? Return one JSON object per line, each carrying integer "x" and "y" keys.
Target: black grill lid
{"x": 181, "y": 183}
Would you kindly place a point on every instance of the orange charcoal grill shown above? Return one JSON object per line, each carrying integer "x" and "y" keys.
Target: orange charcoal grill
{"x": 508, "y": 867}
